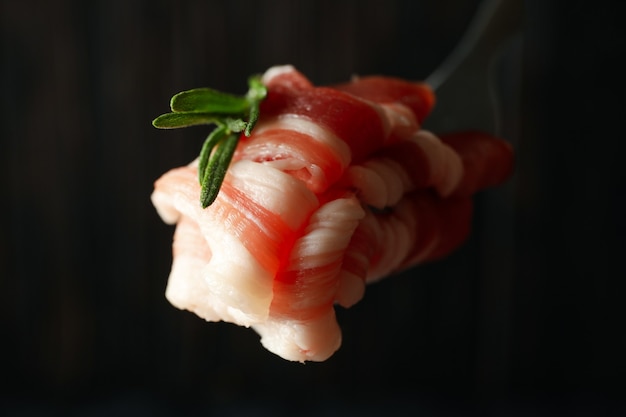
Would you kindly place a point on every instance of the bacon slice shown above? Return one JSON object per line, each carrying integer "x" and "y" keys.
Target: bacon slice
{"x": 336, "y": 188}
{"x": 420, "y": 161}
{"x": 418, "y": 97}
{"x": 487, "y": 160}
{"x": 248, "y": 231}
{"x": 302, "y": 324}
{"x": 364, "y": 125}
{"x": 299, "y": 146}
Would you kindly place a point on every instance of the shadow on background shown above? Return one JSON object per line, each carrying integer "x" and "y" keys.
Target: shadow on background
{"x": 527, "y": 318}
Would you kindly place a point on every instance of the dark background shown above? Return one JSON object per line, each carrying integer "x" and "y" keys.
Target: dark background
{"x": 525, "y": 319}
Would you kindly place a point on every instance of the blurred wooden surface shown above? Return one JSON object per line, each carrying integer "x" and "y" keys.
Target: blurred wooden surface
{"x": 84, "y": 258}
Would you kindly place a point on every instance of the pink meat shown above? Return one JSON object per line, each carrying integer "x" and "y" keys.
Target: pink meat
{"x": 302, "y": 324}
{"x": 248, "y": 231}
{"x": 487, "y": 160}
{"x": 300, "y": 147}
{"x": 336, "y": 188}
{"x": 418, "y": 97}
{"x": 363, "y": 125}
{"x": 419, "y": 161}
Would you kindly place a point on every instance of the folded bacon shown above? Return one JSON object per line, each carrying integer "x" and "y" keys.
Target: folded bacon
{"x": 336, "y": 187}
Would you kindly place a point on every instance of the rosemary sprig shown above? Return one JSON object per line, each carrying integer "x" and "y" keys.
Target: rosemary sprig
{"x": 231, "y": 116}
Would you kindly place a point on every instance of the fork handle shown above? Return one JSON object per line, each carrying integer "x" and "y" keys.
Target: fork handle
{"x": 462, "y": 81}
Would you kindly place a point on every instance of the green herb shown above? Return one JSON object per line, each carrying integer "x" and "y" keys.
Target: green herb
{"x": 231, "y": 116}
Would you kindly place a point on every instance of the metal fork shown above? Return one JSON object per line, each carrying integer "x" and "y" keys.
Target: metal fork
{"x": 476, "y": 86}
{"x": 465, "y": 82}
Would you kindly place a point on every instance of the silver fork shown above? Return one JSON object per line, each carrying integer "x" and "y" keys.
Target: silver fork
{"x": 465, "y": 82}
{"x": 471, "y": 94}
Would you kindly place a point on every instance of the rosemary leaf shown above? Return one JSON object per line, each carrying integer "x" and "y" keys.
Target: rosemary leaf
{"x": 231, "y": 114}
{"x": 256, "y": 93}
{"x": 216, "y": 135}
{"x": 178, "y": 120}
{"x": 216, "y": 169}
{"x": 206, "y": 100}
{"x": 253, "y": 116}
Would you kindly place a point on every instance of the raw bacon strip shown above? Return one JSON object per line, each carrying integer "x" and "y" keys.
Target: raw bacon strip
{"x": 398, "y": 236}
{"x": 418, "y": 97}
{"x": 421, "y": 227}
{"x": 364, "y": 125}
{"x": 302, "y": 324}
{"x": 249, "y": 230}
{"x": 298, "y": 146}
{"x": 443, "y": 225}
{"x": 488, "y": 160}
{"x": 421, "y": 161}
{"x": 361, "y": 253}
{"x": 428, "y": 161}
{"x": 355, "y": 121}
{"x": 285, "y": 76}
{"x": 248, "y": 290}
{"x": 315, "y": 132}
{"x": 267, "y": 187}
{"x": 298, "y": 288}
{"x": 185, "y": 287}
